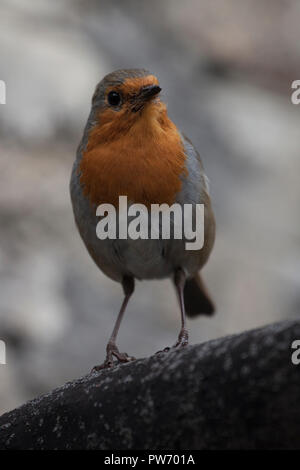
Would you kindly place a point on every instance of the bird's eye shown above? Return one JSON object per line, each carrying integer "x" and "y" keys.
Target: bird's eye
{"x": 114, "y": 98}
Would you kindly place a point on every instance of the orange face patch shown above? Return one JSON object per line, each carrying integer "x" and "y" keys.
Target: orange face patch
{"x": 139, "y": 155}
{"x": 132, "y": 85}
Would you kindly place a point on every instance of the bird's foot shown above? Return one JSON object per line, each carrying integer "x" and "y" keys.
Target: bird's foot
{"x": 183, "y": 340}
{"x": 163, "y": 350}
{"x": 113, "y": 351}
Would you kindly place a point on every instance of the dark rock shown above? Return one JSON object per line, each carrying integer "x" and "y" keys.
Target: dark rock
{"x": 240, "y": 392}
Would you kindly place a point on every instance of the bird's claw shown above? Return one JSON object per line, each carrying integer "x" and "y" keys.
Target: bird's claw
{"x": 183, "y": 340}
{"x": 163, "y": 350}
{"x": 112, "y": 351}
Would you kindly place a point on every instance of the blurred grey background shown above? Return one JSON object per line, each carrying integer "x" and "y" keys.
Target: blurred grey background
{"x": 226, "y": 70}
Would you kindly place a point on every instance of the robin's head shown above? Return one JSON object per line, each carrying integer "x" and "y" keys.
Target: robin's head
{"x": 130, "y": 145}
{"x": 122, "y": 97}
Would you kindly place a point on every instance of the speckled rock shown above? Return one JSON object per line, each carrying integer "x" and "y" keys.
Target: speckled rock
{"x": 240, "y": 392}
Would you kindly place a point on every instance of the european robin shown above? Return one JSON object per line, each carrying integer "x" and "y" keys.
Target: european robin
{"x": 130, "y": 147}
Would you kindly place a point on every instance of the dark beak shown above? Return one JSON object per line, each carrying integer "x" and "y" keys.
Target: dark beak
{"x": 145, "y": 94}
{"x": 148, "y": 92}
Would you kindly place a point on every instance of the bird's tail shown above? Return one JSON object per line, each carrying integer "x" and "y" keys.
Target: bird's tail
{"x": 197, "y": 300}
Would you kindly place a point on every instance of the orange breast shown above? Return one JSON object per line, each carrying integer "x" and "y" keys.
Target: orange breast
{"x": 140, "y": 157}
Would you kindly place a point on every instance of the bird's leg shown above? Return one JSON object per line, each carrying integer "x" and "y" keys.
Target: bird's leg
{"x": 183, "y": 337}
{"x": 179, "y": 281}
{"x": 111, "y": 348}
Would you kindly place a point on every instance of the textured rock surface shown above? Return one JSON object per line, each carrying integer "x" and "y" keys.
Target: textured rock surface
{"x": 235, "y": 392}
